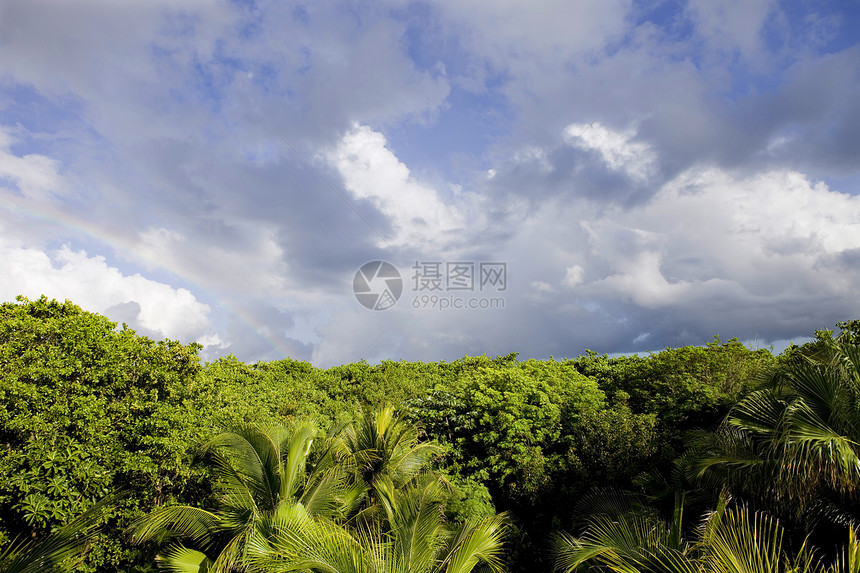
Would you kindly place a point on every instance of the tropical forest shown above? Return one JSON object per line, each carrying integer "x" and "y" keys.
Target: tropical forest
{"x": 123, "y": 453}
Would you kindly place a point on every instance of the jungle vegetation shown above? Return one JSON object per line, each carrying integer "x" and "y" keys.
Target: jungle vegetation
{"x": 122, "y": 453}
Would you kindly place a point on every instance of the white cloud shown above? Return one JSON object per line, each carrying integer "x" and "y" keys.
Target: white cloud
{"x": 618, "y": 148}
{"x": 95, "y": 286}
{"x": 573, "y": 276}
{"x": 35, "y": 176}
{"x": 371, "y": 171}
{"x": 743, "y": 239}
{"x": 212, "y": 342}
{"x": 641, "y": 281}
{"x": 642, "y": 337}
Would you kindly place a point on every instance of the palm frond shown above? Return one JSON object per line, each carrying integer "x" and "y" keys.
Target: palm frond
{"x": 416, "y": 525}
{"x": 758, "y": 413}
{"x": 570, "y": 552}
{"x": 738, "y": 543}
{"x": 292, "y": 470}
{"x": 179, "y": 559}
{"x": 328, "y": 493}
{"x": 232, "y": 556}
{"x": 63, "y": 550}
{"x": 231, "y": 484}
{"x": 629, "y": 535}
{"x": 666, "y": 560}
{"x": 474, "y": 543}
{"x": 195, "y": 524}
{"x": 255, "y": 456}
{"x": 629, "y": 541}
{"x": 849, "y": 560}
{"x": 606, "y": 501}
{"x": 814, "y": 447}
{"x": 294, "y": 541}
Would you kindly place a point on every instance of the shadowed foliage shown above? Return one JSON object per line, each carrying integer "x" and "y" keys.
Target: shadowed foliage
{"x": 795, "y": 444}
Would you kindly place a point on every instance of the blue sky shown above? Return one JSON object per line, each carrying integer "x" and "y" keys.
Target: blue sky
{"x": 650, "y": 174}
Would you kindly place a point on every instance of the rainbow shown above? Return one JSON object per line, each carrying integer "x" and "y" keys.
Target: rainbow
{"x": 117, "y": 242}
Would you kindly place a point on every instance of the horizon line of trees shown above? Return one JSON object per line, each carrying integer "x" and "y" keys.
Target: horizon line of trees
{"x": 124, "y": 453}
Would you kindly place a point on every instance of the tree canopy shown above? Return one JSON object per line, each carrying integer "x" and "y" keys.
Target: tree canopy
{"x": 258, "y": 460}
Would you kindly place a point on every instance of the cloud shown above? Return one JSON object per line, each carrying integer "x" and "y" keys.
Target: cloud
{"x": 508, "y": 32}
{"x": 713, "y": 242}
{"x": 573, "y": 276}
{"x": 33, "y": 176}
{"x": 642, "y": 282}
{"x": 155, "y": 308}
{"x": 618, "y": 148}
{"x": 255, "y": 255}
{"x": 370, "y": 171}
{"x": 652, "y": 173}
{"x": 732, "y": 26}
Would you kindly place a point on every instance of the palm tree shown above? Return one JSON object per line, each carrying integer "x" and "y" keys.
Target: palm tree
{"x": 276, "y": 514}
{"x": 257, "y": 470}
{"x": 796, "y": 443}
{"x": 382, "y": 448}
{"x": 730, "y": 540}
{"x": 62, "y": 551}
{"x": 621, "y": 531}
{"x": 417, "y": 540}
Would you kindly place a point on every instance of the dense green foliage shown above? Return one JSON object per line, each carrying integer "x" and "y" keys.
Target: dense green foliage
{"x": 686, "y": 388}
{"x": 366, "y": 500}
{"x": 88, "y": 409}
{"x": 62, "y": 551}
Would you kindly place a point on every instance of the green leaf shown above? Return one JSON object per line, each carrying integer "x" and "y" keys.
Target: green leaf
{"x": 179, "y": 559}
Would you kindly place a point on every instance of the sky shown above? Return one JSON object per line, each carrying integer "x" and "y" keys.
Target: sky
{"x": 338, "y": 181}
